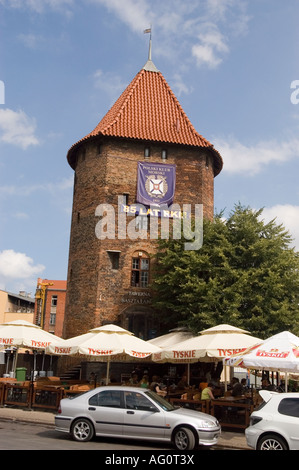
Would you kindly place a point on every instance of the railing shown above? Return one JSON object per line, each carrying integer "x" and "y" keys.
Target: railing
{"x": 31, "y": 396}
{"x": 231, "y": 413}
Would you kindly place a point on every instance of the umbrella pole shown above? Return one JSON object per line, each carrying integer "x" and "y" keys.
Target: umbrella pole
{"x": 43, "y": 361}
{"x": 108, "y": 371}
{"x": 286, "y": 382}
{"x": 14, "y": 364}
{"x": 7, "y": 363}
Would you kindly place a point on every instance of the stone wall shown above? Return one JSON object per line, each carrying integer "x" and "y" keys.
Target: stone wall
{"x": 98, "y": 293}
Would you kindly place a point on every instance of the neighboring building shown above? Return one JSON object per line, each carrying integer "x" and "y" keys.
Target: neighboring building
{"x": 16, "y": 306}
{"x": 108, "y": 278}
{"x": 50, "y": 305}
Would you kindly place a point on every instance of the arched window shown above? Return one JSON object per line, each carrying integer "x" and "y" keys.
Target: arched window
{"x": 140, "y": 270}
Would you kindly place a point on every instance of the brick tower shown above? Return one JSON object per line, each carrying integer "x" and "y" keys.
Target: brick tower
{"x": 108, "y": 278}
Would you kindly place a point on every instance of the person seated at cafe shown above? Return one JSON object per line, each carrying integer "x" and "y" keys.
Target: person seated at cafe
{"x": 267, "y": 386}
{"x": 183, "y": 383}
{"x": 203, "y": 383}
{"x": 244, "y": 384}
{"x": 144, "y": 382}
{"x": 207, "y": 393}
{"x": 134, "y": 380}
{"x": 158, "y": 387}
{"x": 92, "y": 378}
{"x": 237, "y": 389}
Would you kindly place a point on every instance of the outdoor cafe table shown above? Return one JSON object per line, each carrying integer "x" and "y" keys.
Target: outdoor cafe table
{"x": 233, "y": 412}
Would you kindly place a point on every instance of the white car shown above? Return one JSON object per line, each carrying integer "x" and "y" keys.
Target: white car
{"x": 134, "y": 413}
{"x": 275, "y": 424}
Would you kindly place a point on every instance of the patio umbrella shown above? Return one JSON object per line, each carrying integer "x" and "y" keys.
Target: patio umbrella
{"x": 211, "y": 345}
{"x": 23, "y": 334}
{"x": 278, "y": 353}
{"x": 104, "y": 343}
{"x": 175, "y": 336}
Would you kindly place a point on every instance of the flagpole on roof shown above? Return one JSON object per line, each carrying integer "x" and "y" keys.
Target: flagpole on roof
{"x": 150, "y": 66}
{"x": 149, "y": 31}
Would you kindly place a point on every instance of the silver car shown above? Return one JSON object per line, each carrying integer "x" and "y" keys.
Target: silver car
{"x": 275, "y": 424}
{"x": 130, "y": 412}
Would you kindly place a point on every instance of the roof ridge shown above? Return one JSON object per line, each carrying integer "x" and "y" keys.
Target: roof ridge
{"x": 128, "y": 92}
{"x": 183, "y": 112}
{"x": 149, "y": 110}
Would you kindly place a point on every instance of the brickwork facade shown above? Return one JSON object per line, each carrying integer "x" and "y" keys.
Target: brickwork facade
{"x": 106, "y": 168}
{"x": 109, "y": 276}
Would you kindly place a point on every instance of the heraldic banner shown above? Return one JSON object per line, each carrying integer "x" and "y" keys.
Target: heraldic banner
{"x": 155, "y": 183}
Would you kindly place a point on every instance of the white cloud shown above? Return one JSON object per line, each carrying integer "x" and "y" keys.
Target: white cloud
{"x": 211, "y": 48}
{"x": 134, "y": 13}
{"x": 31, "y": 41}
{"x": 18, "y": 269}
{"x": 239, "y": 158}
{"x": 65, "y": 184}
{"x": 39, "y": 6}
{"x": 111, "y": 84}
{"x": 17, "y": 128}
{"x": 200, "y": 29}
{"x": 285, "y": 214}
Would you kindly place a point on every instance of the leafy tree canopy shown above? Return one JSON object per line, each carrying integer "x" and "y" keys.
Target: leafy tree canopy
{"x": 245, "y": 274}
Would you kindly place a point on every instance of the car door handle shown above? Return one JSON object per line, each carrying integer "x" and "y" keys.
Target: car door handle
{"x": 91, "y": 408}
{"x": 130, "y": 412}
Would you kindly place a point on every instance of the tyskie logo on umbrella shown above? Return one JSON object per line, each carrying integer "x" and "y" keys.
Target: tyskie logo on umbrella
{"x": 273, "y": 353}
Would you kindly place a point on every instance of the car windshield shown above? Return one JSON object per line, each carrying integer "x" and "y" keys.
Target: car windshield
{"x": 160, "y": 401}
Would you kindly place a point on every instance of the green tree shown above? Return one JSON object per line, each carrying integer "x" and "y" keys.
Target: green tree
{"x": 246, "y": 274}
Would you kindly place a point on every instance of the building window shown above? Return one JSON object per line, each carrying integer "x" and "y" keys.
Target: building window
{"x": 125, "y": 198}
{"x": 53, "y": 303}
{"x": 141, "y": 222}
{"x": 164, "y": 154}
{"x": 140, "y": 271}
{"x": 147, "y": 152}
{"x": 114, "y": 259}
{"x": 52, "y": 318}
{"x": 207, "y": 161}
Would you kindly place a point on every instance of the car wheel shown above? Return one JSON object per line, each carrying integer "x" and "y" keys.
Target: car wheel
{"x": 82, "y": 430}
{"x": 184, "y": 439}
{"x": 271, "y": 442}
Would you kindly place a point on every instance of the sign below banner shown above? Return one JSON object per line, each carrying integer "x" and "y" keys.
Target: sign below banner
{"x": 168, "y": 212}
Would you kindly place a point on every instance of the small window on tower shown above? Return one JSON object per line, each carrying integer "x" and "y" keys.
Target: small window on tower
{"x": 114, "y": 259}
{"x": 147, "y": 152}
{"x": 140, "y": 271}
{"x": 125, "y": 198}
{"x": 164, "y": 154}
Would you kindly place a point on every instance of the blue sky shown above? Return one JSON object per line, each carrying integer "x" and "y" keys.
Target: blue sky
{"x": 63, "y": 63}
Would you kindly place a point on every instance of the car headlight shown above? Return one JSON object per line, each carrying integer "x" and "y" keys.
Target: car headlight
{"x": 208, "y": 424}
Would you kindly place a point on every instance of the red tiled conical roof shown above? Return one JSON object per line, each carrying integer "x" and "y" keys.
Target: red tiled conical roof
{"x": 148, "y": 110}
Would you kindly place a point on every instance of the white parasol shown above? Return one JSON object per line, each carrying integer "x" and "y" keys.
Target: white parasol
{"x": 23, "y": 334}
{"x": 278, "y": 353}
{"x": 105, "y": 342}
{"x": 211, "y": 345}
{"x": 175, "y": 336}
